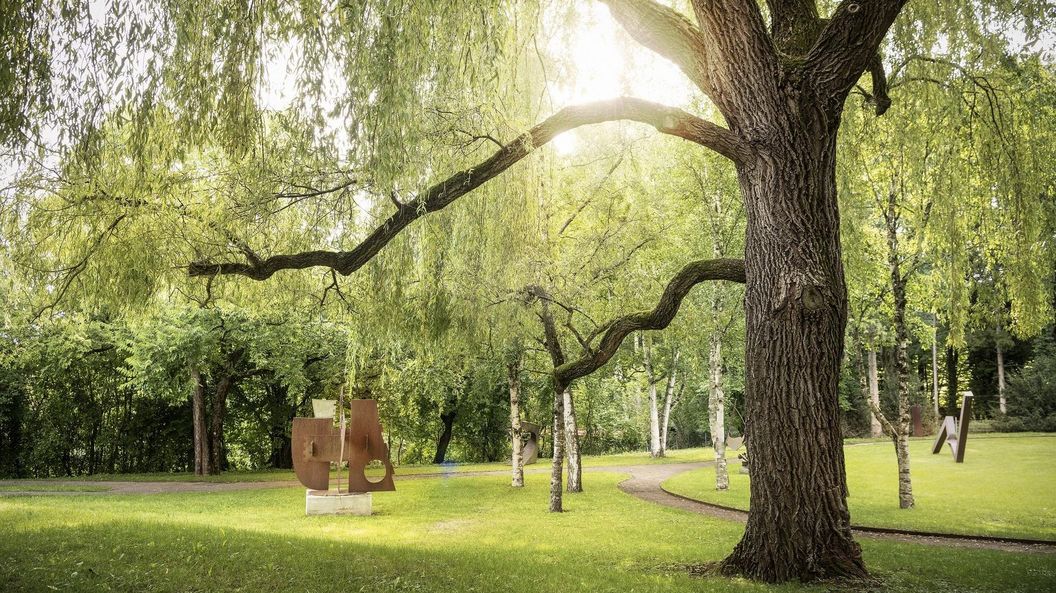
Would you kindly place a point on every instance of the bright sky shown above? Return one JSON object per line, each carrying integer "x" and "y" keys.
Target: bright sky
{"x": 605, "y": 63}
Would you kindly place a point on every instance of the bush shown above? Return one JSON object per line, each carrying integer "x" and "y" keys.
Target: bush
{"x": 1031, "y": 393}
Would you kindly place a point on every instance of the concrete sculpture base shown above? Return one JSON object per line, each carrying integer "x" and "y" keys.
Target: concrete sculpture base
{"x": 322, "y": 502}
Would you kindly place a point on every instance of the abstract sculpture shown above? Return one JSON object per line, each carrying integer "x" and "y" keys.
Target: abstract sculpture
{"x": 916, "y": 415}
{"x": 530, "y": 450}
{"x": 317, "y": 442}
{"x": 954, "y": 433}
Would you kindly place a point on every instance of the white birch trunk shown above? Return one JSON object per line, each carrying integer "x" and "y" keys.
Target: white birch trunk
{"x": 654, "y": 416}
{"x": 669, "y": 401}
{"x": 1001, "y": 379}
{"x": 575, "y": 469}
{"x": 874, "y": 395}
{"x": 717, "y": 411}
{"x": 935, "y": 376}
{"x": 558, "y": 453}
{"x": 516, "y": 459}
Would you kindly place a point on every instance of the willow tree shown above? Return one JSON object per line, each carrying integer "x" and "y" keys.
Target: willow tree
{"x": 780, "y": 87}
{"x": 781, "y": 92}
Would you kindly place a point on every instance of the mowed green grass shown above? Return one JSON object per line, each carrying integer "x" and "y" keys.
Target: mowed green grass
{"x": 433, "y": 535}
{"x": 633, "y": 458}
{"x": 1005, "y": 487}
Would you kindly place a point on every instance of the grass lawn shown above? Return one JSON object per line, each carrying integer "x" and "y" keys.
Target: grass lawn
{"x": 434, "y": 535}
{"x": 1005, "y": 487}
{"x": 634, "y": 458}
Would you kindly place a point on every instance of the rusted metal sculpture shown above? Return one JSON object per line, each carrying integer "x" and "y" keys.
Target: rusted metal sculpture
{"x": 317, "y": 442}
{"x": 953, "y": 433}
{"x": 916, "y": 415}
{"x": 530, "y": 449}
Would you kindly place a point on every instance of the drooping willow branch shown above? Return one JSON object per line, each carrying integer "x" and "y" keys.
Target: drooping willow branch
{"x": 613, "y": 332}
{"x": 668, "y": 120}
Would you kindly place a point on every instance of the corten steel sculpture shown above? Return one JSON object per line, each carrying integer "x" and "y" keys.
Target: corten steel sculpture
{"x": 530, "y": 450}
{"x": 954, "y": 433}
{"x": 916, "y": 414}
{"x": 317, "y": 442}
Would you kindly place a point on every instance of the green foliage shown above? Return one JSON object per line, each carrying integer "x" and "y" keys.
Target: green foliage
{"x": 1031, "y": 393}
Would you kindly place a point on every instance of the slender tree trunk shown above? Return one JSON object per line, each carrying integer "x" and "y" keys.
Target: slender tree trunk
{"x": 874, "y": 394}
{"x": 898, "y": 291}
{"x": 201, "y": 436}
{"x": 952, "y": 356}
{"x": 1001, "y": 379}
{"x": 669, "y": 399}
{"x": 796, "y": 313}
{"x": 559, "y": 451}
{"x": 575, "y": 467}
{"x": 448, "y": 421}
{"x": 513, "y": 376}
{"x": 935, "y": 374}
{"x": 216, "y": 424}
{"x": 717, "y": 409}
{"x": 655, "y": 450}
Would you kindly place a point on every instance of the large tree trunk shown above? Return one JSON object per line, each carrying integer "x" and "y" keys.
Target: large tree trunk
{"x": 655, "y": 449}
{"x": 559, "y": 451}
{"x": 575, "y": 466}
{"x": 796, "y": 311}
{"x": 201, "y": 438}
{"x": 874, "y": 394}
{"x": 513, "y": 377}
{"x": 717, "y": 408}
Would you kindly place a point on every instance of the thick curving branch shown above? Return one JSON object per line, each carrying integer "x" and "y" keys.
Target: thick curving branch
{"x": 848, "y": 46}
{"x": 668, "y": 120}
{"x": 880, "y": 97}
{"x": 613, "y": 333}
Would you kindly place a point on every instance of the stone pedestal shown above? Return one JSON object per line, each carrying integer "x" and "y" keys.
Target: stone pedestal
{"x": 323, "y": 502}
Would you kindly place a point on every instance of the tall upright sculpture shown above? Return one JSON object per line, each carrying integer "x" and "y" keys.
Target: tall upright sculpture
{"x": 317, "y": 443}
{"x": 953, "y": 433}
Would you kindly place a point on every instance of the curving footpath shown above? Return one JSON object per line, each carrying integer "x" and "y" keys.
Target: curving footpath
{"x": 645, "y": 482}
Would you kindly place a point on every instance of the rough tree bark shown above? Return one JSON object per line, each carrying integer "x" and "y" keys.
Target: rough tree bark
{"x": 781, "y": 90}
{"x": 513, "y": 377}
{"x": 575, "y": 465}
